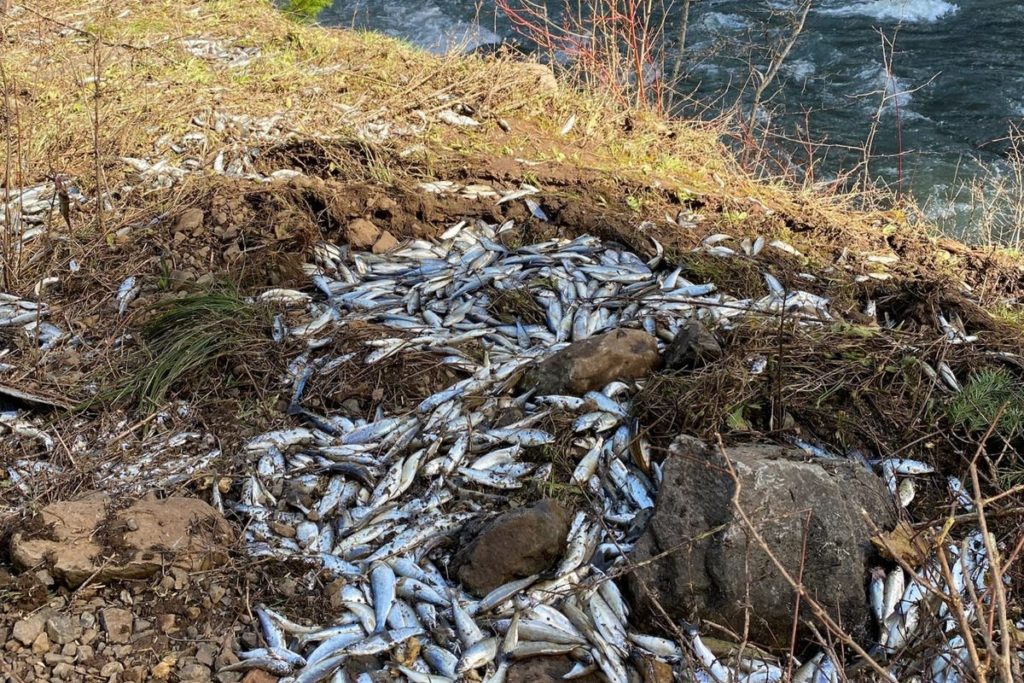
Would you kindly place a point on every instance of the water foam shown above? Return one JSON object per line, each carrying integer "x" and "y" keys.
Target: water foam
{"x": 909, "y": 11}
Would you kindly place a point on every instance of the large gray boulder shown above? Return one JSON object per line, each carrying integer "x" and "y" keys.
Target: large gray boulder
{"x": 714, "y": 569}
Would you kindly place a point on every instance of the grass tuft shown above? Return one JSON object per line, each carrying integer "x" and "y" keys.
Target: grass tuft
{"x": 187, "y": 340}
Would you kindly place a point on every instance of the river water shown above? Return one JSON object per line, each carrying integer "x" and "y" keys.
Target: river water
{"x": 953, "y": 87}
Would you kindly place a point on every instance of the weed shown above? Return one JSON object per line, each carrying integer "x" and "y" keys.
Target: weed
{"x": 990, "y": 393}
{"x": 186, "y": 339}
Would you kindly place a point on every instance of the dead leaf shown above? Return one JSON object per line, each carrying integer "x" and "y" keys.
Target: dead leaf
{"x": 906, "y": 544}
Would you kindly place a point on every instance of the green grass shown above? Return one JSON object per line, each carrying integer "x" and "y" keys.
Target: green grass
{"x": 187, "y": 340}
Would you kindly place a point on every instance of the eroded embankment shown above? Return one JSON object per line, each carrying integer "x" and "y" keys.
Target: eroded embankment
{"x": 268, "y": 189}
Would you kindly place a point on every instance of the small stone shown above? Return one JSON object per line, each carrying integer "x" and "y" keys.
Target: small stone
{"x": 257, "y": 676}
{"x": 69, "y": 650}
{"x": 28, "y": 629}
{"x": 194, "y": 671}
{"x": 545, "y": 670}
{"x": 85, "y": 653}
{"x": 62, "y": 628}
{"x": 52, "y": 658}
{"x": 181, "y": 578}
{"x": 117, "y": 623}
{"x": 111, "y": 669}
{"x": 165, "y": 622}
{"x": 231, "y": 677}
{"x": 282, "y": 529}
{"x": 385, "y": 243}
{"x": 163, "y": 670}
{"x": 166, "y": 583}
{"x": 88, "y": 619}
{"x": 63, "y": 671}
{"x": 361, "y": 233}
{"x": 143, "y": 625}
{"x": 205, "y": 654}
{"x": 44, "y": 577}
{"x": 41, "y": 645}
{"x": 88, "y": 636}
{"x": 217, "y": 592}
{"x": 189, "y": 220}
{"x": 131, "y": 524}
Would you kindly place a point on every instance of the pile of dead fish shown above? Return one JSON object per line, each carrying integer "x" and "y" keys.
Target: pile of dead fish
{"x": 387, "y": 490}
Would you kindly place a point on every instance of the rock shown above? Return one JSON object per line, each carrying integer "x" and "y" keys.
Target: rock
{"x": 189, "y": 221}
{"x": 63, "y": 628}
{"x": 111, "y": 669}
{"x": 545, "y": 670}
{"x": 205, "y": 654}
{"x": 165, "y": 622}
{"x": 194, "y": 672}
{"x": 257, "y": 676}
{"x": 41, "y": 645}
{"x": 163, "y": 669}
{"x": 28, "y": 629}
{"x": 514, "y": 545}
{"x": 654, "y": 670}
{"x": 543, "y": 77}
{"x": 63, "y": 670}
{"x": 386, "y": 243}
{"x": 724, "y": 576}
{"x": 694, "y": 347}
{"x": 184, "y": 532}
{"x": 117, "y": 623}
{"x": 591, "y": 364}
{"x": 361, "y": 233}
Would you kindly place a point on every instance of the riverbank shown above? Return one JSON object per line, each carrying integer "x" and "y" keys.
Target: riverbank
{"x": 237, "y": 151}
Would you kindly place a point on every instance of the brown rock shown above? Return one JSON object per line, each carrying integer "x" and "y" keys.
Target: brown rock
{"x": 591, "y": 364}
{"x": 514, "y": 545}
{"x": 361, "y": 233}
{"x": 41, "y": 645}
{"x": 165, "y": 622}
{"x": 715, "y": 569}
{"x": 545, "y": 670}
{"x": 257, "y": 676}
{"x": 654, "y": 670}
{"x": 117, "y": 623}
{"x": 189, "y": 220}
{"x": 183, "y": 532}
{"x": 386, "y": 243}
